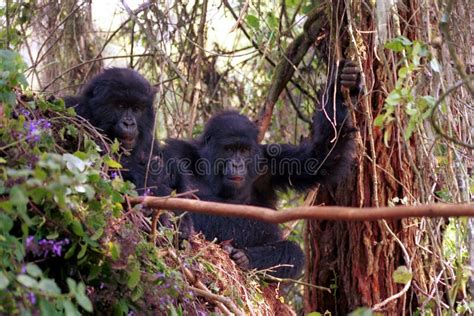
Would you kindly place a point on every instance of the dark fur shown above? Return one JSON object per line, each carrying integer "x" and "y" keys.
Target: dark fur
{"x": 103, "y": 102}
{"x": 255, "y": 244}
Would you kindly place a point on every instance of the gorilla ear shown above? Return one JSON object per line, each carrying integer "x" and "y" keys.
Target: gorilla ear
{"x": 153, "y": 90}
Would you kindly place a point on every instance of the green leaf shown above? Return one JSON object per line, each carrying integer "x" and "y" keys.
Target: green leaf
{"x": 379, "y": 120}
{"x": 362, "y": 311}
{"x": 70, "y": 251}
{"x": 76, "y": 227}
{"x": 112, "y": 163}
{"x": 73, "y": 163}
{"x": 33, "y": 270}
{"x": 402, "y": 275}
{"x": 394, "y": 98}
{"x": 82, "y": 298}
{"x": 53, "y": 235}
{"x": 6, "y": 223}
{"x": 47, "y": 308}
{"x": 98, "y": 233}
{"x": 410, "y": 129}
{"x": 134, "y": 276}
{"x": 72, "y": 285}
{"x": 3, "y": 281}
{"x": 18, "y": 197}
{"x": 49, "y": 286}
{"x": 70, "y": 309}
{"x": 82, "y": 252}
{"x": 27, "y": 281}
{"x": 114, "y": 250}
{"x": 272, "y": 20}
{"x": 253, "y": 21}
{"x": 137, "y": 293}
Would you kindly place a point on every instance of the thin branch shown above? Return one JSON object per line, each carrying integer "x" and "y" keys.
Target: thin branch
{"x": 152, "y": 40}
{"x": 286, "y": 68}
{"x": 217, "y": 298}
{"x": 444, "y": 28}
{"x": 261, "y": 52}
{"x": 223, "y": 303}
{"x": 339, "y": 213}
{"x": 243, "y": 13}
{"x": 88, "y": 62}
{"x": 436, "y": 127}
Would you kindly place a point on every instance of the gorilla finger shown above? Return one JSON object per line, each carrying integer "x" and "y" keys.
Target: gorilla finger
{"x": 349, "y": 63}
{"x": 350, "y": 70}
{"x": 240, "y": 258}
{"x": 228, "y": 248}
{"x": 238, "y": 254}
{"x": 349, "y": 84}
{"x": 349, "y": 77}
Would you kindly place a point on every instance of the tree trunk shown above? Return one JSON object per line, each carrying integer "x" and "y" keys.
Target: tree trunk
{"x": 67, "y": 46}
{"x": 357, "y": 260}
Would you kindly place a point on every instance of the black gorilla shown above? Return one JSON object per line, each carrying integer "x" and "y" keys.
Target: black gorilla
{"x": 119, "y": 102}
{"x": 226, "y": 164}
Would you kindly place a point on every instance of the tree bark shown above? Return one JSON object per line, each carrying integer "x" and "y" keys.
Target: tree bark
{"x": 358, "y": 259}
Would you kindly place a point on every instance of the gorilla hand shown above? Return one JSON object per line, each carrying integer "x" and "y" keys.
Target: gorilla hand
{"x": 238, "y": 255}
{"x": 350, "y": 77}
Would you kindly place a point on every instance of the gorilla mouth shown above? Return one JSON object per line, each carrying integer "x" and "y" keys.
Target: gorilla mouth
{"x": 127, "y": 142}
{"x": 236, "y": 179}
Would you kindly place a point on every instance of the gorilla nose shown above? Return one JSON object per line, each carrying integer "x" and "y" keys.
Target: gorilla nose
{"x": 128, "y": 125}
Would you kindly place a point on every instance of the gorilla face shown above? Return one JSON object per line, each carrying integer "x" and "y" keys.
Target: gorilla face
{"x": 230, "y": 145}
{"x": 237, "y": 163}
{"x": 118, "y": 101}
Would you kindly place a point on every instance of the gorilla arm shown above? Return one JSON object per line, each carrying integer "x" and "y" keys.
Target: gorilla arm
{"x": 328, "y": 156}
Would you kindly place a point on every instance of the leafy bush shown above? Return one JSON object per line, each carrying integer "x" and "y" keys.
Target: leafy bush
{"x": 65, "y": 242}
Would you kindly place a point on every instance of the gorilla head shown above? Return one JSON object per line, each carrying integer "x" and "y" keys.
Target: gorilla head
{"x": 119, "y": 101}
{"x": 229, "y": 144}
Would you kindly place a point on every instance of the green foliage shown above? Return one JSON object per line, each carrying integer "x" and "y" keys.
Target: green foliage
{"x": 362, "y": 311}
{"x": 64, "y": 247}
{"x": 11, "y": 75}
{"x": 405, "y": 96}
{"x": 402, "y": 275}
{"x": 14, "y": 16}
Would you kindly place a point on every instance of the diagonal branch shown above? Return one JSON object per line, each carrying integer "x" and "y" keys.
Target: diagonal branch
{"x": 286, "y": 68}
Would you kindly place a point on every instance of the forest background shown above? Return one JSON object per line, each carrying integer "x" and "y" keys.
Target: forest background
{"x": 414, "y": 120}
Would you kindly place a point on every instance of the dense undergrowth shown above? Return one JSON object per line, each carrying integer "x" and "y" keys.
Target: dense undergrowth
{"x": 70, "y": 242}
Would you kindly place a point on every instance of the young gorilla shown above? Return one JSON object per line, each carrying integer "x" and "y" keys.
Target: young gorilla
{"x": 226, "y": 164}
{"x": 119, "y": 102}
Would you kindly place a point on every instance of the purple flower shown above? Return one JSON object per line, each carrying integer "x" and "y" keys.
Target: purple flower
{"x": 32, "y": 298}
{"x": 35, "y": 128}
{"x": 25, "y": 112}
{"x": 29, "y": 241}
{"x": 113, "y": 175}
{"x": 44, "y": 247}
